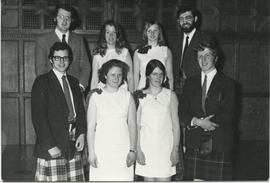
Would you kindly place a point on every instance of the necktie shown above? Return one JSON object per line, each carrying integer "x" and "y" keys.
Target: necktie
{"x": 64, "y": 38}
{"x": 182, "y": 74}
{"x": 204, "y": 93}
{"x": 68, "y": 98}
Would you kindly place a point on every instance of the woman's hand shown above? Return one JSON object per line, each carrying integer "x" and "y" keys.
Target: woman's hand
{"x": 131, "y": 158}
{"x": 174, "y": 157}
{"x": 141, "y": 158}
{"x": 92, "y": 158}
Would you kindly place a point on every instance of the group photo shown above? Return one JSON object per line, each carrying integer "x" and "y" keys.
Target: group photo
{"x": 135, "y": 90}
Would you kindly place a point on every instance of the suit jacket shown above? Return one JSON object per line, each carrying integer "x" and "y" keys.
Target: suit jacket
{"x": 80, "y": 66}
{"x": 220, "y": 101}
{"x": 190, "y": 66}
{"x": 50, "y": 113}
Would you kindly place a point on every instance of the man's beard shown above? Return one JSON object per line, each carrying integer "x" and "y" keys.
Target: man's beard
{"x": 187, "y": 29}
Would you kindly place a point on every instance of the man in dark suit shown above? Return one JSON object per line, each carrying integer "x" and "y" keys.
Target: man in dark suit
{"x": 59, "y": 120}
{"x": 208, "y": 111}
{"x": 188, "y": 39}
{"x": 65, "y": 21}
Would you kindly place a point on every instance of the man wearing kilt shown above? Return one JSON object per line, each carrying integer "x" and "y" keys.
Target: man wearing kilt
{"x": 59, "y": 121}
{"x": 207, "y": 111}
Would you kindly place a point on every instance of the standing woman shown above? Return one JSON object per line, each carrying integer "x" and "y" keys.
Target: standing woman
{"x": 158, "y": 127}
{"x": 112, "y": 133}
{"x": 153, "y": 48}
{"x": 111, "y": 45}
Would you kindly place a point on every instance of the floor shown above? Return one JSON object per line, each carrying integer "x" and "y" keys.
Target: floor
{"x": 252, "y": 162}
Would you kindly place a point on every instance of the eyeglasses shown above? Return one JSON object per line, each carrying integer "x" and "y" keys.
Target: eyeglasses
{"x": 187, "y": 18}
{"x": 62, "y": 17}
{"x": 59, "y": 58}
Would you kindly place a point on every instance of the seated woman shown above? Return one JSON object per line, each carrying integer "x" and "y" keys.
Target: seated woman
{"x": 158, "y": 127}
{"x": 111, "y": 127}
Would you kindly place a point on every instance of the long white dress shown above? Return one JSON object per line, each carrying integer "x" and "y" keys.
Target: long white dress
{"x": 112, "y": 142}
{"x": 157, "y": 52}
{"x": 112, "y": 54}
{"x": 156, "y": 136}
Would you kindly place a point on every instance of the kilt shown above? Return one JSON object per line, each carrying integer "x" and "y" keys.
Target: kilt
{"x": 216, "y": 166}
{"x": 60, "y": 169}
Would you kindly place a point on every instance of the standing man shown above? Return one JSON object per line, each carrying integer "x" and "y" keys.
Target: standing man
{"x": 59, "y": 120}
{"x": 65, "y": 21}
{"x": 208, "y": 111}
{"x": 187, "y": 41}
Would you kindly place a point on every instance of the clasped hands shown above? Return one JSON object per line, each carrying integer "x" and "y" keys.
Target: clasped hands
{"x": 205, "y": 123}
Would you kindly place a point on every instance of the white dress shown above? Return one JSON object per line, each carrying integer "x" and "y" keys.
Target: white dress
{"x": 112, "y": 142}
{"x": 157, "y": 52}
{"x": 156, "y": 136}
{"x": 112, "y": 54}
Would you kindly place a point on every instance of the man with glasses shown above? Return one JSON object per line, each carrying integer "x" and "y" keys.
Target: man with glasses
{"x": 59, "y": 120}
{"x": 190, "y": 36}
{"x": 184, "y": 64}
{"x": 65, "y": 21}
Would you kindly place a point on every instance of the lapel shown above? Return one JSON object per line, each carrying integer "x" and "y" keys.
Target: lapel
{"x": 215, "y": 85}
{"x": 71, "y": 38}
{"x": 56, "y": 89}
{"x": 55, "y": 37}
{"x": 193, "y": 42}
{"x": 72, "y": 85}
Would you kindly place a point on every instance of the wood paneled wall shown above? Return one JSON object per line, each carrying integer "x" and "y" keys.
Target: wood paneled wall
{"x": 241, "y": 26}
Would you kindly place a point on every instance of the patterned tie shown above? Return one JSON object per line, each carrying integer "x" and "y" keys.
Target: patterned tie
{"x": 68, "y": 98}
{"x": 204, "y": 93}
{"x": 64, "y": 38}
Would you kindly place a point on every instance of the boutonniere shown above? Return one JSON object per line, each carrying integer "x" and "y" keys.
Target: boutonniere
{"x": 144, "y": 49}
{"x": 138, "y": 95}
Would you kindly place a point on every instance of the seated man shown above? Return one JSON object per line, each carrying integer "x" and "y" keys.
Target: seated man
{"x": 59, "y": 120}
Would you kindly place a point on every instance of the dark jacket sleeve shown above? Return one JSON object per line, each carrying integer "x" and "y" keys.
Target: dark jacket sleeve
{"x": 85, "y": 68}
{"x": 39, "y": 110}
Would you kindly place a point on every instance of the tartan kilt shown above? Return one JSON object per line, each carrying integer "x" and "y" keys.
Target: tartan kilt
{"x": 60, "y": 169}
{"x": 216, "y": 166}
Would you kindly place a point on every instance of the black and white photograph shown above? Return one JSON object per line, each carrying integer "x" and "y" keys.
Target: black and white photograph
{"x": 135, "y": 90}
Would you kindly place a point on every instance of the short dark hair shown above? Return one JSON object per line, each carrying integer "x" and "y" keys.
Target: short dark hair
{"x": 152, "y": 64}
{"x": 75, "y": 20}
{"x": 185, "y": 8}
{"x": 103, "y": 71}
{"x": 60, "y": 46}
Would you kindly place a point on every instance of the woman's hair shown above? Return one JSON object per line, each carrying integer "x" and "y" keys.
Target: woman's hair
{"x": 150, "y": 67}
{"x": 161, "y": 39}
{"x": 60, "y": 46}
{"x": 103, "y": 71}
{"x": 102, "y": 44}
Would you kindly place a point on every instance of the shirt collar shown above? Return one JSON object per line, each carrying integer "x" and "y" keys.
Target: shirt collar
{"x": 59, "y": 74}
{"x": 190, "y": 35}
{"x": 210, "y": 75}
{"x": 60, "y": 34}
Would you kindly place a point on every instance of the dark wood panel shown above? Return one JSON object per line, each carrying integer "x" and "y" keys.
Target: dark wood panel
{"x": 30, "y": 135}
{"x": 254, "y": 68}
{"x": 254, "y": 119}
{"x": 246, "y": 24}
{"x": 229, "y": 23}
{"x": 29, "y": 65}
{"x": 10, "y": 18}
{"x": 9, "y": 66}
{"x": 10, "y": 121}
{"x": 229, "y": 63}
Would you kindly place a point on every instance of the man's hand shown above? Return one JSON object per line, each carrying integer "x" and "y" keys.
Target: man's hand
{"x": 80, "y": 142}
{"x": 55, "y": 152}
{"x": 206, "y": 124}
